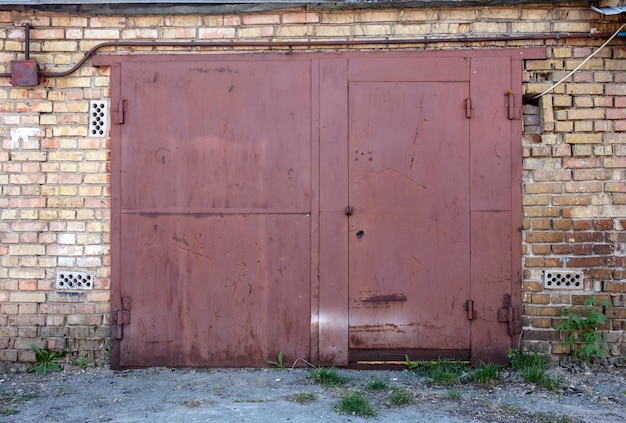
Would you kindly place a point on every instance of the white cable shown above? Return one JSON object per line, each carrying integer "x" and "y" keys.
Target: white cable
{"x": 581, "y": 64}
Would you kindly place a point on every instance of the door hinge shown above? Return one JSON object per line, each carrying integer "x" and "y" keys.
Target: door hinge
{"x": 468, "y": 108}
{"x": 469, "y": 307}
{"x": 118, "y": 114}
{"x": 511, "y": 315}
{"x": 513, "y": 112}
{"x": 119, "y": 318}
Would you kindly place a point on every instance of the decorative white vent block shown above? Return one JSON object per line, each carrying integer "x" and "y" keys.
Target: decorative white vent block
{"x": 74, "y": 280}
{"x": 563, "y": 279}
{"x": 98, "y": 118}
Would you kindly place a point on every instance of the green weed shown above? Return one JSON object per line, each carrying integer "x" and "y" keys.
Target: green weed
{"x": 327, "y": 376}
{"x": 454, "y": 394}
{"x": 533, "y": 367}
{"x": 410, "y": 365}
{"x": 45, "y": 360}
{"x": 80, "y": 362}
{"x": 377, "y": 385}
{"x": 192, "y": 403}
{"x": 581, "y": 328}
{"x": 355, "y": 403}
{"x": 554, "y": 418}
{"x": 520, "y": 359}
{"x": 445, "y": 372}
{"x": 279, "y": 362}
{"x": 486, "y": 374}
{"x": 302, "y": 397}
{"x": 400, "y": 396}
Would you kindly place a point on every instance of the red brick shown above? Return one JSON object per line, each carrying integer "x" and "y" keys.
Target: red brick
{"x": 603, "y": 224}
{"x": 582, "y": 225}
{"x": 586, "y": 262}
{"x": 583, "y": 249}
{"x": 603, "y": 249}
{"x": 587, "y": 162}
{"x": 532, "y": 237}
{"x": 562, "y": 224}
{"x": 562, "y": 248}
{"x": 534, "y": 262}
{"x": 616, "y": 113}
{"x": 541, "y": 249}
{"x": 584, "y": 236}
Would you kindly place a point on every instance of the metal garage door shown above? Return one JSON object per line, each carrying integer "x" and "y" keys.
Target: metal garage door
{"x": 334, "y": 207}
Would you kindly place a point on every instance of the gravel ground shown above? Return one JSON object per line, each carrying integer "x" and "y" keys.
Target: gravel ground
{"x": 587, "y": 394}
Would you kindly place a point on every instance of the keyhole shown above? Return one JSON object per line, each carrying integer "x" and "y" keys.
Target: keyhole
{"x": 360, "y": 234}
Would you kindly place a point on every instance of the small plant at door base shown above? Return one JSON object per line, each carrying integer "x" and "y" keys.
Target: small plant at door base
{"x": 377, "y": 385}
{"x": 581, "y": 328}
{"x": 445, "y": 372}
{"x": 355, "y": 403}
{"x": 520, "y": 359}
{"x": 302, "y": 397}
{"x": 327, "y": 376}
{"x": 279, "y": 361}
{"x": 400, "y": 396}
{"x": 45, "y": 360}
{"x": 410, "y": 365}
{"x": 486, "y": 374}
{"x": 81, "y": 362}
{"x": 533, "y": 367}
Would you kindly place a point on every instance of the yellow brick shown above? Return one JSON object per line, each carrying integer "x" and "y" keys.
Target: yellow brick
{"x": 489, "y": 27}
{"x": 458, "y": 14}
{"x": 27, "y": 297}
{"x": 73, "y": 82}
{"x": 184, "y": 20}
{"x": 567, "y": 26}
{"x": 530, "y": 27}
{"x": 561, "y": 52}
{"x": 370, "y": 30}
{"x": 378, "y": 16}
{"x": 500, "y": 13}
{"x": 333, "y": 31}
{"x": 413, "y": 29}
{"x": 332, "y": 18}
{"x": 583, "y": 138}
{"x": 417, "y": 15}
{"x": 25, "y": 273}
{"x": 59, "y": 46}
{"x": 294, "y": 31}
{"x": 26, "y": 250}
{"x": 102, "y": 34}
{"x": 143, "y": 21}
{"x": 140, "y": 33}
{"x": 69, "y": 131}
{"x": 256, "y": 32}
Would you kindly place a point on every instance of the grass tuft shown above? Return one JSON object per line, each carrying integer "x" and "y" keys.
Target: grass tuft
{"x": 355, "y": 403}
{"x": 400, "y": 396}
{"x": 486, "y": 374}
{"x": 327, "y": 376}
{"x": 377, "y": 385}
{"x": 302, "y": 397}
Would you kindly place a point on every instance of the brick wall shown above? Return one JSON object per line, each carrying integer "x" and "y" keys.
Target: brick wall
{"x": 55, "y": 179}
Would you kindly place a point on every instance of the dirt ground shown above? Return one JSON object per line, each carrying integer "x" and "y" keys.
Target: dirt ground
{"x": 97, "y": 394}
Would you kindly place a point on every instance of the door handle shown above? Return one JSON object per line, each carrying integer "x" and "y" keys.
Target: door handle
{"x": 348, "y": 211}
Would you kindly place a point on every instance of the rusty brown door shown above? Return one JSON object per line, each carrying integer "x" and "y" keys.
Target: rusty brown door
{"x": 409, "y": 233}
{"x": 214, "y": 188}
{"x": 332, "y": 207}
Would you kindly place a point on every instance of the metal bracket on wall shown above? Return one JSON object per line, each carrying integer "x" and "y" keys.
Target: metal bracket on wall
{"x": 119, "y": 318}
{"x": 511, "y": 315}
